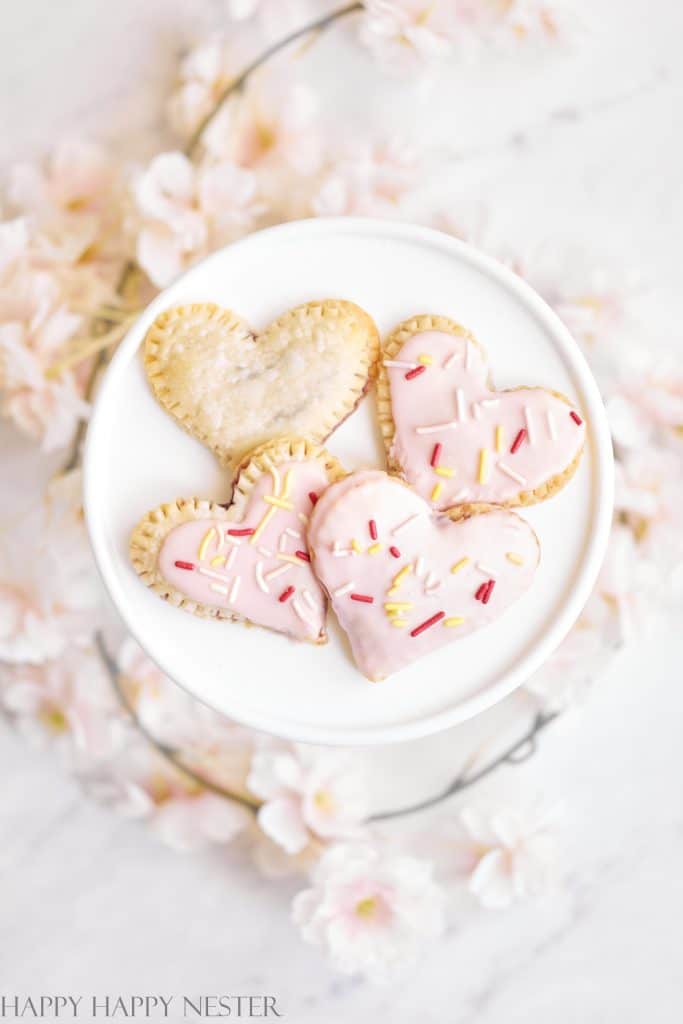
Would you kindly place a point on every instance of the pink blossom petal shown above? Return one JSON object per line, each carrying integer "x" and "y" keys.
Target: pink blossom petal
{"x": 281, "y": 820}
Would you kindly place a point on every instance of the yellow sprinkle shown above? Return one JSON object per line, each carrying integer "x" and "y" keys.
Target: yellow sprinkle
{"x": 400, "y": 576}
{"x": 436, "y": 492}
{"x": 457, "y": 620}
{"x": 289, "y": 558}
{"x": 261, "y": 526}
{"x": 287, "y": 484}
{"x": 425, "y": 359}
{"x": 355, "y": 546}
{"x": 391, "y": 591}
{"x": 514, "y": 558}
{"x": 398, "y": 606}
{"x": 374, "y": 549}
{"x": 401, "y": 623}
{"x": 483, "y": 474}
{"x": 444, "y": 471}
{"x": 218, "y": 560}
{"x": 278, "y": 502}
{"x": 499, "y": 438}
{"x": 210, "y": 533}
{"x": 460, "y": 565}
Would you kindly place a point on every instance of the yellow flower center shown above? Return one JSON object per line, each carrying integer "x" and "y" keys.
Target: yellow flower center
{"x": 54, "y": 719}
{"x": 367, "y": 907}
{"x": 323, "y": 800}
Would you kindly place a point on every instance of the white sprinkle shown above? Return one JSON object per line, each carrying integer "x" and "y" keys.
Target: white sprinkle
{"x": 292, "y": 533}
{"x": 278, "y": 572}
{"x": 234, "y": 590}
{"x": 419, "y": 565}
{"x": 476, "y": 410}
{"x": 265, "y": 552}
{"x": 400, "y": 365}
{"x": 450, "y": 359}
{"x": 486, "y": 402}
{"x": 211, "y": 573}
{"x": 486, "y": 569}
{"x": 232, "y": 540}
{"x": 468, "y": 355}
{"x": 259, "y": 578}
{"x": 302, "y": 517}
{"x": 529, "y": 425}
{"x": 276, "y": 479}
{"x": 511, "y": 473}
{"x": 346, "y": 589}
{"x": 430, "y": 580}
{"x": 460, "y": 496}
{"x": 460, "y": 402}
{"x": 551, "y": 425}
{"x": 342, "y": 552}
{"x": 220, "y": 541}
{"x": 308, "y": 598}
{"x": 434, "y": 587}
{"x": 231, "y": 558}
{"x": 217, "y": 588}
{"x": 301, "y": 613}
{"x": 402, "y": 526}
{"x": 436, "y": 427}
{"x": 282, "y": 543}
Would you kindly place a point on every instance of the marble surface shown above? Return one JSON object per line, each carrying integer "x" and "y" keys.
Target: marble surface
{"x": 581, "y": 146}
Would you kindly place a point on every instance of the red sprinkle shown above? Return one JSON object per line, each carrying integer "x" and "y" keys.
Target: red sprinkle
{"x": 395, "y": 552}
{"x": 489, "y": 590}
{"x": 427, "y": 623}
{"x": 577, "y": 419}
{"x": 240, "y": 533}
{"x": 184, "y": 565}
{"x": 434, "y": 461}
{"x": 286, "y": 594}
{"x": 372, "y": 527}
{"x": 482, "y": 590}
{"x": 415, "y": 372}
{"x": 365, "y": 598}
{"x": 518, "y": 440}
{"x": 313, "y": 496}
{"x": 303, "y": 555}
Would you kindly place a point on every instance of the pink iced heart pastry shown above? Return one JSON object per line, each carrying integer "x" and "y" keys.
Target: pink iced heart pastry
{"x": 248, "y": 562}
{"x": 404, "y": 580}
{"x": 458, "y": 441}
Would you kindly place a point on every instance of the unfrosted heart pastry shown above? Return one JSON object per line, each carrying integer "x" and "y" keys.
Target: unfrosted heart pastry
{"x": 234, "y": 389}
{"x": 248, "y": 562}
{"x": 404, "y": 580}
{"x": 457, "y": 440}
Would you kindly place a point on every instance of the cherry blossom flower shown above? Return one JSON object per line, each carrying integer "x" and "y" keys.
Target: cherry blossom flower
{"x": 507, "y": 853}
{"x": 78, "y": 177}
{"x": 307, "y": 796}
{"x": 402, "y": 31}
{"x": 186, "y": 210}
{"x": 203, "y": 75}
{"x": 273, "y": 124}
{"x": 367, "y": 180}
{"x": 370, "y": 910}
{"x": 275, "y": 16}
{"x": 190, "y": 823}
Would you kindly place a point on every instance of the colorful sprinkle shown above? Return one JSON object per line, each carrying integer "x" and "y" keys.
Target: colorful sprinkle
{"x": 577, "y": 419}
{"x": 397, "y": 606}
{"x": 374, "y": 549}
{"x": 499, "y": 438}
{"x": 460, "y": 404}
{"x": 345, "y": 589}
{"x": 425, "y": 359}
{"x": 274, "y": 573}
{"x": 436, "y": 492}
{"x": 208, "y": 537}
{"x": 552, "y": 429}
{"x": 303, "y": 555}
{"x": 288, "y": 558}
{"x": 363, "y": 598}
{"x": 312, "y": 497}
{"x": 276, "y": 478}
{"x": 483, "y": 587}
{"x": 394, "y": 552}
{"x": 445, "y": 471}
{"x": 184, "y": 565}
{"x": 531, "y": 433}
{"x": 511, "y": 473}
{"x": 406, "y": 522}
{"x": 427, "y": 623}
{"x": 355, "y": 547}
{"x": 455, "y": 620}
{"x": 483, "y": 473}
{"x": 401, "y": 575}
{"x": 399, "y": 623}
{"x": 217, "y": 560}
{"x": 436, "y": 452}
{"x": 262, "y": 525}
{"x": 372, "y": 527}
{"x": 278, "y": 502}
{"x": 288, "y": 484}
{"x": 258, "y": 572}
{"x": 286, "y": 594}
{"x": 513, "y": 557}
{"x": 240, "y": 533}
{"x": 489, "y": 590}
{"x": 460, "y": 565}
{"x": 415, "y": 372}
{"x": 436, "y": 427}
{"x": 521, "y": 434}
{"x": 234, "y": 590}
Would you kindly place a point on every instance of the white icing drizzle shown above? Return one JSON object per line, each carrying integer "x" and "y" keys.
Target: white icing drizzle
{"x": 511, "y": 473}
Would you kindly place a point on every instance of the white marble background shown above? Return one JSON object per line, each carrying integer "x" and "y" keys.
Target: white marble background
{"x": 585, "y": 146}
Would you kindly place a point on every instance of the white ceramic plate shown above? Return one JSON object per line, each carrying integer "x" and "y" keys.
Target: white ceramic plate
{"x": 137, "y": 457}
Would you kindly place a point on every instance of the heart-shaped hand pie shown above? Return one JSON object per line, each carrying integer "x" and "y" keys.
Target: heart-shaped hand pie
{"x": 248, "y": 562}
{"x": 235, "y": 390}
{"x": 403, "y": 580}
{"x": 458, "y": 441}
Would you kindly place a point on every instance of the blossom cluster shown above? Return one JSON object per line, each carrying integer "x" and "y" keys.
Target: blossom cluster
{"x": 71, "y": 226}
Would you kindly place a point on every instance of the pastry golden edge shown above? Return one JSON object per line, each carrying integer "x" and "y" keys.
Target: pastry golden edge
{"x": 390, "y": 349}
{"x": 151, "y": 531}
{"x": 456, "y": 514}
{"x": 156, "y": 340}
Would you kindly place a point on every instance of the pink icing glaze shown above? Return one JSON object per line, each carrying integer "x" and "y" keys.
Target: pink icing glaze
{"x": 303, "y": 614}
{"x": 380, "y": 648}
{"x": 432, "y": 399}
